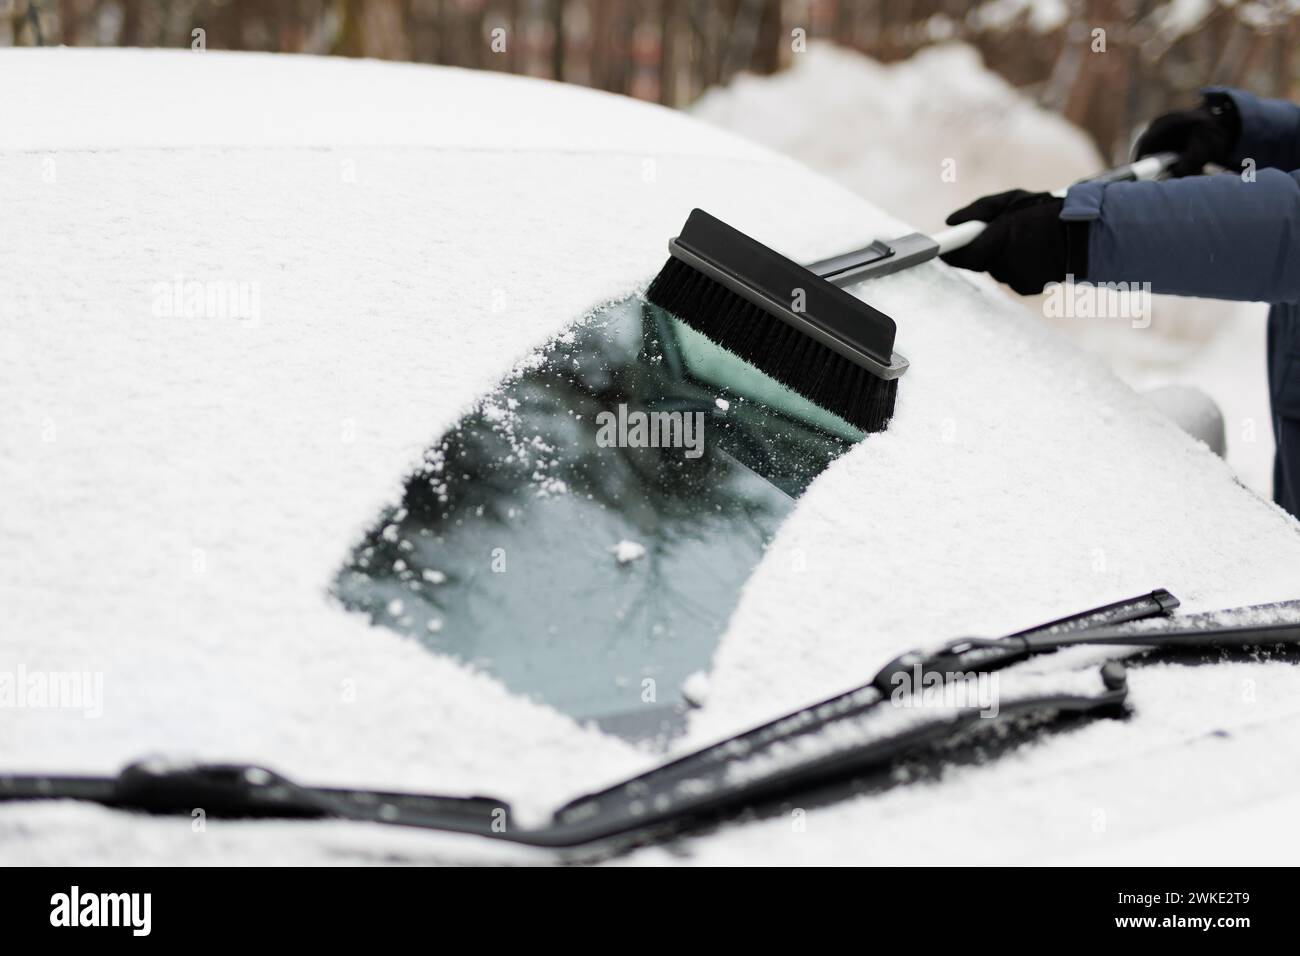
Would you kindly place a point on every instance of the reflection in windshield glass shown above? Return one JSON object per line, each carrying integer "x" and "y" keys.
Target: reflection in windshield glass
{"x": 584, "y": 533}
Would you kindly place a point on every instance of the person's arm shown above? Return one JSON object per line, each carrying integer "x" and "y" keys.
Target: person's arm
{"x": 1213, "y": 236}
{"x": 1226, "y": 237}
{"x": 1269, "y": 130}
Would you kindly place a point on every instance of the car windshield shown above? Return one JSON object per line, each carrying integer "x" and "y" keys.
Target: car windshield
{"x": 584, "y": 533}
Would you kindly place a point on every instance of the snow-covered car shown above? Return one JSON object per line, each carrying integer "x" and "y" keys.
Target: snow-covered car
{"x": 245, "y": 303}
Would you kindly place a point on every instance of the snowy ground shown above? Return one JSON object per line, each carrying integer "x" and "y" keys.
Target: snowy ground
{"x": 925, "y": 136}
{"x": 180, "y": 489}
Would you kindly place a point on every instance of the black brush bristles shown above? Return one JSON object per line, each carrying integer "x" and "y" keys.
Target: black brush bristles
{"x": 774, "y": 347}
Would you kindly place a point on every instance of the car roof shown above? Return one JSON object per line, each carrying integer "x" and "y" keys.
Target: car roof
{"x": 181, "y": 488}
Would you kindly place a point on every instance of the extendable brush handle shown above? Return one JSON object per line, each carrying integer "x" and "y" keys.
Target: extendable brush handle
{"x": 954, "y": 237}
{"x": 882, "y": 258}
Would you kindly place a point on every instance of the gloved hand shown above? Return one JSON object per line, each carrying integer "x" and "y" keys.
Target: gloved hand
{"x": 1026, "y": 245}
{"x": 1202, "y": 135}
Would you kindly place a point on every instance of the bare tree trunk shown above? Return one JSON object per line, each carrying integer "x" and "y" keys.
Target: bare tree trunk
{"x": 741, "y": 38}
{"x": 668, "y": 52}
{"x": 1069, "y": 61}
{"x": 557, "y": 39}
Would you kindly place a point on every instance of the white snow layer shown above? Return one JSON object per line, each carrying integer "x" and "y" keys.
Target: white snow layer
{"x": 627, "y": 551}
{"x": 179, "y": 492}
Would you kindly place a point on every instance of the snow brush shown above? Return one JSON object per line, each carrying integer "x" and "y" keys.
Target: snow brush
{"x": 796, "y": 323}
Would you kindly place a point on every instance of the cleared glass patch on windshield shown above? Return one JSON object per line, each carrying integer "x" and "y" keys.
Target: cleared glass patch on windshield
{"x": 583, "y": 534}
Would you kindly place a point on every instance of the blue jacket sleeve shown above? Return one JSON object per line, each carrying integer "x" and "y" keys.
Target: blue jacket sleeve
{"x": 1270, "y": 130}
{"x": 1218, "y": 237}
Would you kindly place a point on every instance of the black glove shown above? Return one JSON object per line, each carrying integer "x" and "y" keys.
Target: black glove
{"x": 1026, "y": 245}
{"x": 1203, "y": 135}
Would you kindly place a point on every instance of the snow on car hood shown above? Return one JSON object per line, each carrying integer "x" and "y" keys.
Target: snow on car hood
{"x": 179, "y": 491}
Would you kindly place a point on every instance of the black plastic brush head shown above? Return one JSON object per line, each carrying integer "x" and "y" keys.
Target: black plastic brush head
{"x": 791, "y": 324}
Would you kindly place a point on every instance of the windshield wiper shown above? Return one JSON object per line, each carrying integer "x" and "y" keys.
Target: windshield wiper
{"x": 792, "y": 754}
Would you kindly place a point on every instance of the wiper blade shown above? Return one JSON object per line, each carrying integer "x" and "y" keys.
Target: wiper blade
{"x": 248, "y": 791}
{"x": 784, "y": 756}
